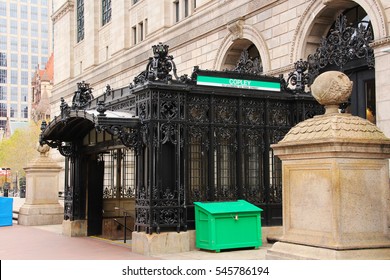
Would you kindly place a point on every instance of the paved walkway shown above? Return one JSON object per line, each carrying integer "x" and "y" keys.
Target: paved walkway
{"x": 19, "y": 242}
{"x": 45, "y": 243}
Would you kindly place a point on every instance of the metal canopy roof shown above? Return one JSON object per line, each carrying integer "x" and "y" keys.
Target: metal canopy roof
{"x": 76, "y": 124}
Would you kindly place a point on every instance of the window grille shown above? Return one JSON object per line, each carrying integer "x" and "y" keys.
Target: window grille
{"x": 225, "y": 170}
{"x": 119, "y": 174}
{"x": 254, "y": 176}
{"x": 198, "y": 169}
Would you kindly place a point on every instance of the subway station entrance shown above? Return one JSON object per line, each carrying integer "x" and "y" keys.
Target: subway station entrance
{"x": 140, "y": 156}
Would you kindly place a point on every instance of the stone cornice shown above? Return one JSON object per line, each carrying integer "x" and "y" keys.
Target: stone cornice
{"x": 67, "y": 7}
{"x": 380, "y": 42}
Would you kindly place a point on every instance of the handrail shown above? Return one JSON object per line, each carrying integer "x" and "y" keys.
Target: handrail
{"x": 124, "y": 225}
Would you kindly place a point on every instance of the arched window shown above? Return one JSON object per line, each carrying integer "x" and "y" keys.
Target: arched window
{"x": 243, "y": 56}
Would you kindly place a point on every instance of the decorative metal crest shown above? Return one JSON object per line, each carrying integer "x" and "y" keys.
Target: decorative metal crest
{"x": 159, "y": 68}
{"x": 82, "y": 96}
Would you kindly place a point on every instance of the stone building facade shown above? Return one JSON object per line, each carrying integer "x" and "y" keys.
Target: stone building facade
{"x": 108, "y": 42}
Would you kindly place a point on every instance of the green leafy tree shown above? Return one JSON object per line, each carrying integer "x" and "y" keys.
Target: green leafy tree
{"x": 20, "y": 149}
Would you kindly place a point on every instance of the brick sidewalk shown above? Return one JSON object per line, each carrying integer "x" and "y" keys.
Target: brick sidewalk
{"x": 19, "y": 242}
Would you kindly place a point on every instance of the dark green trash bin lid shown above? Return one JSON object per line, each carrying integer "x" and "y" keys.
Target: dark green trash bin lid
{"x": 238, "y": 206}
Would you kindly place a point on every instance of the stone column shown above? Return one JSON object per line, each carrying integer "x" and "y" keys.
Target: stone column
{"x": 41, "y": 206}
{"x": 335, "y": 183}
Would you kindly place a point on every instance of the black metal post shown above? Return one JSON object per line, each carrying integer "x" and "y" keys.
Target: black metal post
{"x": 124, "y": 239}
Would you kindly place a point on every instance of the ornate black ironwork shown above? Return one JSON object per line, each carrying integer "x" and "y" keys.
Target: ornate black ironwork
{"x": 65, "y": 110}
{"x": 343, "y": 44}
{"x": 192, "y": 143}
{"x": 108, "y": 91}
{"x": 101, "y": 108}
{"x": 82, "y": 96}
{"x": 129, "y": 137}
{"x": 158, "y": 67}
{"x": 298, "y": 79}
{"x": 246, "y": 64}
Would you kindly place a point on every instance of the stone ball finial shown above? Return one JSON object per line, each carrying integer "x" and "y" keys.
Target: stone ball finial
{"x": 43, "y": 150}
{"x": 330, "y": 89}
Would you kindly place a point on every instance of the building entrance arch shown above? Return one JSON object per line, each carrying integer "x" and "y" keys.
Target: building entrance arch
{"x": 343, "y": 44}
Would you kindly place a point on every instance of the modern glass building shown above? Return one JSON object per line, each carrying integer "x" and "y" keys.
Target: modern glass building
{"x": 25, "y": 45}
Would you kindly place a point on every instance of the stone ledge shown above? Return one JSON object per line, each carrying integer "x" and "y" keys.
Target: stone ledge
{"x": 165, "y": 242}
{"x": 289, "y": 251}
{"x": 38, "y": 215}
{"x": 173, "y": 242}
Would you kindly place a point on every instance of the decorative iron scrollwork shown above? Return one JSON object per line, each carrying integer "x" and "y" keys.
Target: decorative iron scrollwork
{"x": 168, "y": 109}
{"x": 343, "y": 44}
{"x": 246, "y": 64}
{"x": 66, "y": 149}
{"x": 130, "y": 137}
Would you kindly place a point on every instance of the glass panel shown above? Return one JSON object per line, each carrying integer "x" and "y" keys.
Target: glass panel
{"x": 14, "y": 111}
{"x": 110, "y": 182}
{"x": 225, "y": 167}
{"x": 3, "y": 95}
{"x": 80, "y": 20}
{"x": 106, "y": 11}
{"x": 3, "y": 110}
{"x": 3, "y": 59}
{"x": 128, "y": 174}
{"x": 198, "y": 173}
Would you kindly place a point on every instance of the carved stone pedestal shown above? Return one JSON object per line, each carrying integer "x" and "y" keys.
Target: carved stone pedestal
{"x": 41, "y": 206}
{"x": 335, "y": 186}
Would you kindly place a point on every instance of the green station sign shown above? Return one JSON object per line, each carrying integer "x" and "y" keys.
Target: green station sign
{"x": 238, "y": 83}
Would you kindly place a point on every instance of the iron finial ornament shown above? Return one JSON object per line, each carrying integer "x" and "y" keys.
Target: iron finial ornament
{"x": 82, "y": 96}
{"x": 101, "y": 108}
{"x": 158, "y": 68}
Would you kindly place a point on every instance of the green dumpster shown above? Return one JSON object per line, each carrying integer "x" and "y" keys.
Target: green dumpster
{"x": 227, "y": 225}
